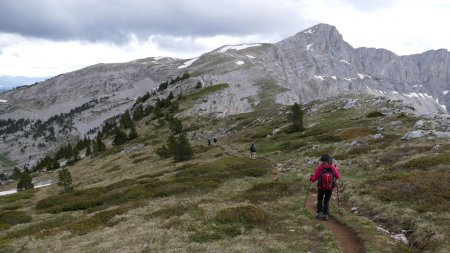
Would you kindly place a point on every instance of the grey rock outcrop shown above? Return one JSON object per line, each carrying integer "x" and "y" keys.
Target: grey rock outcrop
{"x": 313, "y": 64}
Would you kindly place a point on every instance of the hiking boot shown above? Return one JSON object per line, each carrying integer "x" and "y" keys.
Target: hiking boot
{"x": 319, "y": 215}
{"x": 325, "y": 217}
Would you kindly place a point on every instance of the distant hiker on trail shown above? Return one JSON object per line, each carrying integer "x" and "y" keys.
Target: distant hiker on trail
{"x": 326, "y": 175}
{"x": 253, "y": 151}
{"x": 215, "y": 141}
{"x": 209, "y": 141}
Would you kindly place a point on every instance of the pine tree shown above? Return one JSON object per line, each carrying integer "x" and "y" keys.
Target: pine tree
{"x": 88, "y": 150}
{"x": 98, "y": 146}
{"x": 183, "y": 150}
{"x": 125, "y": 120}
{"x": 16, "y": 174}
{"x": 120, "y": 137}
{"x": 174, "y": 107}
{"x": 65, "y": 180}
{"x": 138, "y": 113}
{"x": 175, "y": 125}
{"x": 68, "y": 152}
{"x": 25, "y": 181}
{"x": 296, "y": 116}
{"x": 76, "y": 155}
{"x": 172, "y": 144}
{"x": 133, "y": 133}
{"x": 55, "y": 165}
{"x": 163, "y": 152}
{"x": 171, "y": 96}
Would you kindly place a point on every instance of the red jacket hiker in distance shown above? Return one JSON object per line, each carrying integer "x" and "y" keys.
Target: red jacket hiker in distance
{"x": 316, "y": 175}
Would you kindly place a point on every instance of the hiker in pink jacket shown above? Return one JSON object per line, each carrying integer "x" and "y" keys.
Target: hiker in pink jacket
{"x": 326, "y": 175}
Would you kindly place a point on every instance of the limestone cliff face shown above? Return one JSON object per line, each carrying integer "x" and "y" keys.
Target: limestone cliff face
{"x": 313, "y": 64}
{"x": 320, "y": 63}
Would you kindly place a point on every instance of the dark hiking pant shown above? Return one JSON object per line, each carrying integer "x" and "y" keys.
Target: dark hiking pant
{"x": 323, "y": 201}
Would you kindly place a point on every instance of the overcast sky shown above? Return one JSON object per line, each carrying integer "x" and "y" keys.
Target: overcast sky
{"x": 49, "y": 37}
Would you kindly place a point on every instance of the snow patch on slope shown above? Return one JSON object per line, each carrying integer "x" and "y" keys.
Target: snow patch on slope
{"x": 15, "y": 190}
{"x": 238, "y": 47}
{"x": 319, "y": 77}
{"x": 3, "y": 101}
{"x": 362, "y": 76}
{"x": 187, "y": 63}
{"x": 239, "y": 62}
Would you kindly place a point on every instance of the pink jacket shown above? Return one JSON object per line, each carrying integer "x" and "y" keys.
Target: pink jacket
{"x": 316, "y": 175}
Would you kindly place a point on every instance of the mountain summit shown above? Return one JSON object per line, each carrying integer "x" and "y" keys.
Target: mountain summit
{"x": 316, "y": 63}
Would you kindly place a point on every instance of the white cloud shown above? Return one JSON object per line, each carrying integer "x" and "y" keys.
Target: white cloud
{"x": 402, "y": 26}
{"x": 40, "y": 57}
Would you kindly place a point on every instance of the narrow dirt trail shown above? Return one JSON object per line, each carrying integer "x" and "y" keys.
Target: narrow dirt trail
{"x": 346, "y": 238}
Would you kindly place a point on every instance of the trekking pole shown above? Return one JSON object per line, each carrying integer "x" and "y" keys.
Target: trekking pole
{"x": 338, "y": 199}
{"x": 307, "y": 191}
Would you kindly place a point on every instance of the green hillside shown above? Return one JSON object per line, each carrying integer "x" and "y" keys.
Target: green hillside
{"x": 129, "y": 199}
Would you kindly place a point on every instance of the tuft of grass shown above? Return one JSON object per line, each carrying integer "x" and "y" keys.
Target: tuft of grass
{"x": 114, "y": 168}
{"x": 11, "y": 218}
{"x": 328, "y": 138}
{"x": 261, "y": 132}
{"x": 42, "y": 228}
{"x": 270, "y": 191}
{"x": 375, "y": 114}
{"x": 353, "y": 133}
{"x": 249, "y": 216}
{"x": 175, "y": 210}
{"x": 208, "y": 90}
{"x": 134, "y": 155}
{"x": 425, "y": 162}
{"x": 139, "y": 160}
{"x": 99, "y": 219}
{"x": 189, "y": 179}
{"x": 424, "y": 191}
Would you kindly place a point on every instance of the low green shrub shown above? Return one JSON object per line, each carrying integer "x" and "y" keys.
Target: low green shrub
{"x": 425, "y": 162}
{"x": 99, "y": 219}
{"x": 175, "y": 210}
{"x": 112, "y": 169}
{"x": 374, "y": 114}
{"x": 350, "y": 134}
{"x": 327, "y": 138}
{"x": 11, "y": 218}
{"x": 249, "y": 216}
{"x": 41, "y": 228}
{"x": 420, "y": 190}
{"x": 208, "y": 90}
{"x": 17, "y": 196}
{"x": 270, "y": 191}
{"x": 142, "y": 159}
{"x": 259, "y": 133}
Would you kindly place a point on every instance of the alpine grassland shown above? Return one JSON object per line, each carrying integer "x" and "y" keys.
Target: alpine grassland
{"x": 130, "y": 199}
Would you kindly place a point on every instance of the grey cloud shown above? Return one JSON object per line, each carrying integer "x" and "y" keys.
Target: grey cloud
{"x": 114, "y": 20}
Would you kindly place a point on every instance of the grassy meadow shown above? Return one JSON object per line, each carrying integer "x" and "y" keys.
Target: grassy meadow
{"x": 222, "y": 201}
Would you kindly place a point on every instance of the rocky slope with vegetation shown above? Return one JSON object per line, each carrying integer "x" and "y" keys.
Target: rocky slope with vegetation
{"x": 313, "y": 64}
{"x": 131, "y": 198}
